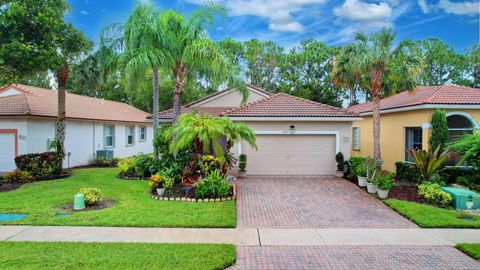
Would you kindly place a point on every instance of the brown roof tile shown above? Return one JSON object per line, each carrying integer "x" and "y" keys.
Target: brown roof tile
{"x": 216, "y": 111}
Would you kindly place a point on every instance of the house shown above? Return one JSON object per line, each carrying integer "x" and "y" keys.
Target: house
{"x": 295, "y": 136}
{"x": 405, "y": 120}
{"x": 27, "y": 125}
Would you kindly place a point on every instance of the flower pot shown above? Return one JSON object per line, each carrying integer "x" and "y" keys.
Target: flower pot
{"x": 362, "y": 181}
{"x": 382, "y": 194}
{"x": 160, "y": 191}
{"x": 242, "y": 174}
{"x": 339, "y": 174}
{"x": 371, "y": 187}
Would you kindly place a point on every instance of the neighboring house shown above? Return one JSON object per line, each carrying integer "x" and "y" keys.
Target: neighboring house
{"x": 27, "y": 125}
{"x": 295, "y": 136}
{"x": 405, "y": 120}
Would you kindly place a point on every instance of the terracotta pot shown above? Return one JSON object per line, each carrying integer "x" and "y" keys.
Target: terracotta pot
{"x": 362, "y": 181}
{"x": 242, "y": 174}
{"x": 382, "y": 194}
{"x": 339, "y": 174}
{"x": 371, "y": 188}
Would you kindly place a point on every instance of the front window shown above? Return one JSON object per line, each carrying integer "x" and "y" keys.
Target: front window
{"x": 143, "y": 134}
{"x": 130, "y": 135}
{"x": 109, "y": 136}
{"x": 413, "y": 140}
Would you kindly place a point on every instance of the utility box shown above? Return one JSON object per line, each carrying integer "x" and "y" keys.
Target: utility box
{"x": 108, "y": 154}
{"x": 461, "y": 196}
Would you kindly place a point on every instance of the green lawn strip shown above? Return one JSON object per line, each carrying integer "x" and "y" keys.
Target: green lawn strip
{"x": 69, "y": 255}
{"x": 133, "y": 205}
{"x": 473, "y": 250}
{"x": 427, "y": 216}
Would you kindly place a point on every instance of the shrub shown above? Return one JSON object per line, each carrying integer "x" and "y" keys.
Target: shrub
{"x": 160, "y": 180}
{"x": 93, "y": 196}
{"x": 469, "y": 148}
{"x": 139, "y": 165}
{"x": 472, "y": 182}
{"x": 384, "y": 180}
{"x": 213, "y": 186}
{"x": 406, "y": 171}
{"x": 126, "y": 166}
{"x": 340, "y": 161}
{"x": 439, "y": 130}
{"x": 430, "y": 163}
{"x": 357, "y": 166}
{"x": 38, "y": 165}
{"x": 242, "y": 162}
{"x": 451, "y": 174}
{"x": 104, "y": 162}
{"x": 433, "y": 194}
{"x": 18, "y": 176}
{"x": 211, "y": 163}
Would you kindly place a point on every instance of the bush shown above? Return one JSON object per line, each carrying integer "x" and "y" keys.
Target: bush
{"x": 340, "y": 161}
{"x": 242, "y": 162}
{"x": 433, "y": 194}
{"x": 211, "y": 163}
{"x": 93, "y": 196}
{"x": 140, "y": 166}
{"x": 430, "y": 163}
{"x": 384, "y": 180}
{"x": 18, "y": 176}
{"x": 450, "y": 175}
{"x": 472, "y": 182}
{"x": 213, "y": 186}
{"x": 104, "y": 162}
{"x": 357, "y": 166}
{"x": 469, "y": 148}
{"x": 38, "y": 165}
{"x": 439, "y": 130}
{"x": 406, "y": 171}
{"x": 160, "y": 180}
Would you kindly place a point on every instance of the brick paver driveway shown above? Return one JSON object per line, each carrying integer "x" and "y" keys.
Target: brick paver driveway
{"x": 310, "y": 202}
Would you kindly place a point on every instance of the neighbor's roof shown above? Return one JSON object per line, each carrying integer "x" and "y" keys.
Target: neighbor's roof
{"x": 168, "y": 114}
{"x": 35, "y": 101}
{"x": 444, "y": 94}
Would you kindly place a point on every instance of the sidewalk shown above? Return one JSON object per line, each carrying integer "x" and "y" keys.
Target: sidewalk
{"x": 244, "y": 237}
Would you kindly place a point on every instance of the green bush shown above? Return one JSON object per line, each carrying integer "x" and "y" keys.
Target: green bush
{"x": 161, "y": 180}
{"x": 93, "y": 196}
{"x": 139, "y": 166}
{"x": 433, "y": 194}
{"x": 384, "y": 180}
{"x": 104, "y": 162}
{"x": 38, "y": 165}
{"x": 126, "y": 166}
{"x": 450, "y": 175}
{"x": 472, "y": 182}
{"x": 406, "y": 171}
{"x": 18, "y": 176}
{"x": 213, "y": 186}
{"x": 357, "y": 166}
{"x": 211, "y": 163}
{"x": 469, "y": 148}
{"x": 340, "y": 161}
{"x": 439, "y": 130}
{"x": 242, "y": 162}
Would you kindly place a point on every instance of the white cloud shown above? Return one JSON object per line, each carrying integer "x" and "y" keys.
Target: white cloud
{"x": 279, "y": 13}
{"x": 424, "y": 6}
{"x": 460, "y": 8}
{"x": 83, "y": 12}
{"x": 359, "y": 11}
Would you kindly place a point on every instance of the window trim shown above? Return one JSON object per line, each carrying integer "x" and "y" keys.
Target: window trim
{"x": 356, "y": 132}
{"x": 105, "y": 136}
{"x": 140, "y": 134}
{"x": 126, "y": 135}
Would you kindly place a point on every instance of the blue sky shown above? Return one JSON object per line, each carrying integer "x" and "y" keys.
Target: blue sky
{"x": 289, "y": 21}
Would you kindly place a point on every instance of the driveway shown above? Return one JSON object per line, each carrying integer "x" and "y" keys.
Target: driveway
{"x": 310, "y": 202}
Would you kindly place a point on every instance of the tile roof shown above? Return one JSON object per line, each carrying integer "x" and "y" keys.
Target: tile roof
{"x": 226, "y": 90}
{"x": 35, "y": 101}
{"x": 444, "y": 94}
{"x": 216, "y": 111}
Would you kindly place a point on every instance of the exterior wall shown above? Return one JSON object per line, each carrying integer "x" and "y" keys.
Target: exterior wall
{"x": 21, "y": 127}
{"x": 392, "y": 133}
{"x": 343, "y": 129}
{"x": 233, "y": 98}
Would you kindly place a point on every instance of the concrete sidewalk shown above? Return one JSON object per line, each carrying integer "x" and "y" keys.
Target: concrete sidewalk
{"x": 243, "y": 237}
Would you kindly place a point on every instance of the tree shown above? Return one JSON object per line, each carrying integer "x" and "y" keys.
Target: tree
{"x": 471, "y": 76}
{"x": 439, "y": 136}
{"x": 262, "y": 59}
{"x": 376, "y": 65}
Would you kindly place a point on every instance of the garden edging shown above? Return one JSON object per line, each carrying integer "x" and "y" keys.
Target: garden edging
{"x": 185, "y": 199}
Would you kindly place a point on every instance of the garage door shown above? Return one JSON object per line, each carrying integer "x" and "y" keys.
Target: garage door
{"x": 7, "y": 152}
{"x": 292, "y": 154}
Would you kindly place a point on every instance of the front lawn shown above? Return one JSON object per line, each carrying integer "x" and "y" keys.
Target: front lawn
{"x": 473, "y": 250}
{"x": 56, "y": 255}
{"x": 431, "y": 217}
{"x": 133, "y": 205}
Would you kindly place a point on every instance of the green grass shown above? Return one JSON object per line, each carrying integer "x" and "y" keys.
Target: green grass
{"x": 473, "y": 250}
{"x": 56, "y": 255}
{"x": 133, "y": 205}
{"x": 427, "y": 216}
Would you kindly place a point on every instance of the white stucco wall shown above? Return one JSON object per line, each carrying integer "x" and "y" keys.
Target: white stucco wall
{"x": 21, "y": 127}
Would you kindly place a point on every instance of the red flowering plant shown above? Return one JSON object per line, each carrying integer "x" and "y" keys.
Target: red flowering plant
{"x": 160, "y": 180}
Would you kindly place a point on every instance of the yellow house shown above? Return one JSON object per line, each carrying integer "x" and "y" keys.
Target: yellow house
{"x": 405, "y": 120}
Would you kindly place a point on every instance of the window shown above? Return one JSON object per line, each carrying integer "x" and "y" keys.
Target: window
{"x": 356, "y": 138}
{"x": 143, "y": 134}
{"x": 109, "y": 136}
{"x": 458, "y": 125}
{"x": 413, "y": 140}
{"x": 130, "y": 135}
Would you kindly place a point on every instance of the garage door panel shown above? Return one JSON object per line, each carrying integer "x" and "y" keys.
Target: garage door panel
{"x": 292, "y": 154}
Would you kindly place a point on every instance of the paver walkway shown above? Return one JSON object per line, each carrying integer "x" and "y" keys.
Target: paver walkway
{"x": 310, "y": 202}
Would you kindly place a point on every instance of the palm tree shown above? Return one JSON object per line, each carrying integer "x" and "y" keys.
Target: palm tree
{"x": 70, "y": 47}
{"x": 373, "y": 63}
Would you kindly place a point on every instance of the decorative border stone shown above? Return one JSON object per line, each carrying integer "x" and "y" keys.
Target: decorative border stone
{"x": 185, "y": 199}
{"x": 124, "y": 177}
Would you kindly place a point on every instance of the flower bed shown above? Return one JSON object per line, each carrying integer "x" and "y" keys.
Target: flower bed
{"x": 190, "y": 196}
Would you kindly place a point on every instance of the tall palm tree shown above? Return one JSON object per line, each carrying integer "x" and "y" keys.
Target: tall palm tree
{"x": 70, "y": 47}
{"x": 373, "y": 63}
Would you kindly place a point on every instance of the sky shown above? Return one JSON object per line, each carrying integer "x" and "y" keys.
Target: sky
{"x": 287, "y": 22}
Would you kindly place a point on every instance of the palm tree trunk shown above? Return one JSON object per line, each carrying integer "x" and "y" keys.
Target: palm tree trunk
{"x": 178, "y": 90}
{"x": 376, "y": 78}
{"x": 62, "y": 76}
{"x": 155, "y": 109}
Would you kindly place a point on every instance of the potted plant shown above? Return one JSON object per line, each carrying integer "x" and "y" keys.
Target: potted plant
{"x": 384, "y": 181}
{"x": 159, "y": 182}
{"x": 242, "y": 165}
{"x": 361, "y": 175}
{"x": 340, "y": 164}
{"x": 371, "y": 171}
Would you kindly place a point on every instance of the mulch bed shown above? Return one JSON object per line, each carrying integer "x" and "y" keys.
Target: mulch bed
{"x": 406, "y": 191}
{"x": 64, "y": 174}
{"x": 68, "y": 207}
{"x": 131, "y": 177}
{"x": 5, "y": 187}
{"x": 179, "y": 190}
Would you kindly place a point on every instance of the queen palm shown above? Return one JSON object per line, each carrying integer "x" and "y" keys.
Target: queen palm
{"x": 373, "y": 63}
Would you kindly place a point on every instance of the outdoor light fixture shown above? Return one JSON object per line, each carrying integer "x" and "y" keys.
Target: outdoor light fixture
{"x": 292, "y": 127}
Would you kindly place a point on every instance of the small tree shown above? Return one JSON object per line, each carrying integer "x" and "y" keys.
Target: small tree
{"x": 340, "y": 161}
{"x": 242, "y": 163}
{"x": 439, "y": 130}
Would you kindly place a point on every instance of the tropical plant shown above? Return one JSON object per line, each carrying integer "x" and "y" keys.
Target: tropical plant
{"x": 373, "y": 63}
{"x": 213, "y": 185}
{"x": 340, "y": 161}
{"x": 468, "y": 146}
{"x": 160, "y": 180}
{"x": 93, "y": 196}
{"x": 242, "y": 164}
{"x": 18, "y": 176}
{"x": 430, "y": 163}
{"x": 357, "y": 166}
{"x": 384, "y": 180}
{"x": 433, "y": 194}
{"x": 439, "y": 130}
{"x": 211, "y": 163}
{"x": 371, "y": 168}
{"x": 238, "y": 132}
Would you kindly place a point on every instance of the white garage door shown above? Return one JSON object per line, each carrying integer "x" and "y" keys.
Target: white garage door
{"x": 7, "y": 152}
{"x": 292, "y": 154}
